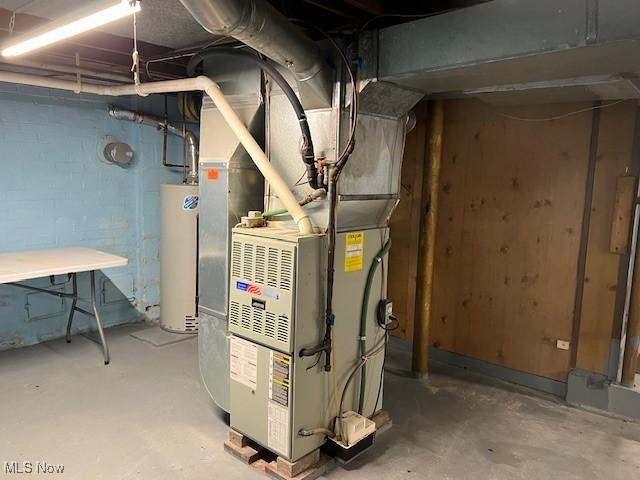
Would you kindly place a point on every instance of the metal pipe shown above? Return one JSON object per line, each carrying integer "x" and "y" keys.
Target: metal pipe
{"x": 326, "y": 344}
{"x": 161, "y": 124}
{"x": 87, "y": 72}
{"x": 260, "y": 26}
{"x": 630, "y": 339}
{"x": 430, "y": 192}
{"x": 316, "y": 194}
{"x": 55, "y": 293}
{"x": 190, "y": 84}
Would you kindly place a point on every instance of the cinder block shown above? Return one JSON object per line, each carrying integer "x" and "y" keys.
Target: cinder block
{"x": 55, "y": 191}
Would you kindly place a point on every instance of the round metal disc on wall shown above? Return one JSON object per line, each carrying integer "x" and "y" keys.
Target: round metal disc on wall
{"x": 113, "y": 151}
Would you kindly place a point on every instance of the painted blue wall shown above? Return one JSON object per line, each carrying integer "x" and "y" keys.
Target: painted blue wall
{"x": 55, "y": 192}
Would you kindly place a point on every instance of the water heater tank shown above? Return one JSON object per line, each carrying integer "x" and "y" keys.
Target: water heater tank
{"x": 178, "y": 258}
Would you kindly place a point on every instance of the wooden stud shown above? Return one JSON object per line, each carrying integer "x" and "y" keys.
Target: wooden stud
{"x": 237, "y": 439}
{"x": 622, "y": 213}
{"x": 293, "y": 469}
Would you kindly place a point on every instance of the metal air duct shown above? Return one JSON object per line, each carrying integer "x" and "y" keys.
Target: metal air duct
{"x": 260, "y": 26}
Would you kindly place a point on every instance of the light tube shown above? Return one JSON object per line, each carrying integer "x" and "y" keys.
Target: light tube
{"x": 123, "y": 9}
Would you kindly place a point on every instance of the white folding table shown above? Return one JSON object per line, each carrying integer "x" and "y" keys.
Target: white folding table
{"x": 17, "y": 267}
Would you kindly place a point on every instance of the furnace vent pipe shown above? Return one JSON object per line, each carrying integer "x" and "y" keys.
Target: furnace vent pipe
{"x": 260, "y": 26}
{"x": 185, "y": 85}
{"x": 161, "y": 124}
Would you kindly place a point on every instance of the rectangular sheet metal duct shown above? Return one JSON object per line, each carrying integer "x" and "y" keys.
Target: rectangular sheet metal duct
{"x": 512, "y": 42}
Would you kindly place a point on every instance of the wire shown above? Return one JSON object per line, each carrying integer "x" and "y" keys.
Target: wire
{"x": 304, "y": 174}
{"x": 319, "y": 356}
{"x": 355, "y": 370}
{"x": 560, "y": 117}
{"x": 177, "y": 56}
{"x": 334, "y": 376}
{"x": 306, "y": 147}
{"x": 384, "y": 362}
{"x": 354, "y": 107}
{"x": 135, "y": 56}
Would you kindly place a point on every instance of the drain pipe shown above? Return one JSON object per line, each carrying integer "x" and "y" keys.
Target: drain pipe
{"x": 190, "y": 84}
{"x": 161, "y": 124}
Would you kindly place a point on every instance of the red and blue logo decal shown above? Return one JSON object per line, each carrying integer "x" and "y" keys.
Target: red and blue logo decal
{"x": 249, "y": 288}
{"x": 256, "y": 290}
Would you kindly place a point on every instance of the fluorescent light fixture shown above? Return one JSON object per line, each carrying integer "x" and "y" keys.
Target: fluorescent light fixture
{"x": 65, "y": 29}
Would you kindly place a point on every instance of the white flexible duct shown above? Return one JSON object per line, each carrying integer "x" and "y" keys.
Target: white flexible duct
{"x": 190, "y": 84}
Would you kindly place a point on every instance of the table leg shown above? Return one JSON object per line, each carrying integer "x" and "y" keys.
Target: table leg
{"x": 105, "y": 348}
{"x": 74, "y": 281}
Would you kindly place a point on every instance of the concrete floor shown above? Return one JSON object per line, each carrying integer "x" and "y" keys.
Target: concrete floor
{"x": 147, "y": 416}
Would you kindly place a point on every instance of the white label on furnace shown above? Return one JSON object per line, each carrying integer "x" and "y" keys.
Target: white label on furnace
{"x": 243, "y": 365}
{"x": 278, "y": 428}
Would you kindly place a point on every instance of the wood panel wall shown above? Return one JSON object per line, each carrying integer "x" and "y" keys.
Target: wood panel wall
{"x": 603, "y": 282}
{"x": 512, "y": 195}
{"x": 509, "y": 232}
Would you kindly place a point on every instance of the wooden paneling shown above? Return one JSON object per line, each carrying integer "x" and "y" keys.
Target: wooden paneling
{"x": 615, "y": 145}
{"x": 405, "y": 228}
{"x": 511, "y": 204}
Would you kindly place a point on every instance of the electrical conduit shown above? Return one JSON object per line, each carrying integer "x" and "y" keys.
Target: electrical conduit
{"x": 190, "y": 84}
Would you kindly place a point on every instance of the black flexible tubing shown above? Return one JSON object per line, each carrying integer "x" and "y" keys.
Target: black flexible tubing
{"x": 308, "y": 156}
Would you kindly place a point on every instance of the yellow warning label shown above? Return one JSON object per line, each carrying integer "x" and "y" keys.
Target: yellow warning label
{"x": 354, "y": 249}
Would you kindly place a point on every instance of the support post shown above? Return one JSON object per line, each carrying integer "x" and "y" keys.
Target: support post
{"x": 428, "y": 225}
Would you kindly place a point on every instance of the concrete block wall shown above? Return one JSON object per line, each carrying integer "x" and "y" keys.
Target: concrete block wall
{"x": 55, "y": 192}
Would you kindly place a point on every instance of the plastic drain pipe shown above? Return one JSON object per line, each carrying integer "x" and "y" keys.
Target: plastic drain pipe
{"x": 200, "y": 83}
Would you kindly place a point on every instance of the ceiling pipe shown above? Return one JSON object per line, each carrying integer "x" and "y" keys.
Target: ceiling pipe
{"x": 161, "y": 124}
{"x": 203, "y": 84}
{"x": 49, "y": 67}
{"x": 260, "y": 26}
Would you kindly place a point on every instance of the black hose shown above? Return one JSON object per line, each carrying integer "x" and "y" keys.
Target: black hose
{"x": 308, "y": 156}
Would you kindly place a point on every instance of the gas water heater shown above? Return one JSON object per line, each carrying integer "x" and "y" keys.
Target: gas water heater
{"x": 179, "y": 227}
{"x": 178, "y": 257}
